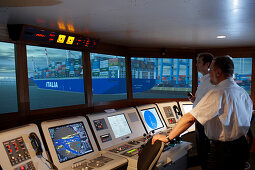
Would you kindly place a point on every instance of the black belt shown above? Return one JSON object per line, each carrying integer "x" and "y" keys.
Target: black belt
{"x": 233, "y": 142}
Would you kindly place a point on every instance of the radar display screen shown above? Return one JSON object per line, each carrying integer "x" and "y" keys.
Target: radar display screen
{"x": 187, "y": 108}
{"x": 152, "y": 119}
{"x": 119, "y": 125}
{"x": 70, "y": 141}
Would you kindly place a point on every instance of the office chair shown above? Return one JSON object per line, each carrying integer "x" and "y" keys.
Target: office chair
{"x": 149, "y": 155}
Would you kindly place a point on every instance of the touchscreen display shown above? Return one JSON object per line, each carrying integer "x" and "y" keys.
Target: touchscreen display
{"x": 119, "y": 125}
{"x": 70, "y": 141}
{"x": 152, "y": 119}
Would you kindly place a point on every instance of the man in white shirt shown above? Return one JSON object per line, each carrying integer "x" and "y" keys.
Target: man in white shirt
{"x": 228, "y": 110}
{"x": 204, "y": 61}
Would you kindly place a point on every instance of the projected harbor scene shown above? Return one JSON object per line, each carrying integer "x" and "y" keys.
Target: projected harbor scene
{"x": 63, "y": 70}
{"x": 56, "y": 77}
{"x": 70, "y": 141}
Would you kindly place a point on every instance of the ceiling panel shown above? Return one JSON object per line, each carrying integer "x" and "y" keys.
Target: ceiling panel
{"x": 141, "y": 23}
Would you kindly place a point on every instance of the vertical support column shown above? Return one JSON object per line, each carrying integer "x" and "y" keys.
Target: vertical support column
{"x": 87, "y": 78}
{"x": 129, "y": 78}
{"x": 22, "y": 78}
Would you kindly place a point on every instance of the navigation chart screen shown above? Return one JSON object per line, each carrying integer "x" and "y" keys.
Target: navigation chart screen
{"x": 152, "y": 120}
{"x": 119, "y": 125}
{"x": 70, "y": 141}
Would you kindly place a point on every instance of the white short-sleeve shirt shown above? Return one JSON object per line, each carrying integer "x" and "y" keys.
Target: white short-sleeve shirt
{"x": 203, "y": 88}
{"x": 225, "y": 111}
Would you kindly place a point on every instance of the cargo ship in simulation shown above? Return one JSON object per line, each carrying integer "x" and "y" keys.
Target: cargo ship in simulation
{"x": 108, "y": 75}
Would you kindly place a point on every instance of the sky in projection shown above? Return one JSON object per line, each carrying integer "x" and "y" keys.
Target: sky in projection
{"x": 38, "y": 55}
{"x": 34, "y": 53}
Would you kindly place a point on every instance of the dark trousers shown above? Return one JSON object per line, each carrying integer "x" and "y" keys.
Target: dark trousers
{"x": 228, "y": 155}
{"x": 202, "y": 144}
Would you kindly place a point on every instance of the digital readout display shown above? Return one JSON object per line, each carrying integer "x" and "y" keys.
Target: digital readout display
{"x": 54, "y": 37}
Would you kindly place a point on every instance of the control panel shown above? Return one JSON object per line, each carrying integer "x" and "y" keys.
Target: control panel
{"x": 21, "y": 149}
{"x": 127, "y": 134}
{"x": 100, "y": 124}
{"x": 173, "y": 152}
{"x": 168, "y": 113}
{"x": 119, "y": 127}
{"x": 16, "y": 150}
{"x": 72, "y": 146}
{"x": 121, "y": 148}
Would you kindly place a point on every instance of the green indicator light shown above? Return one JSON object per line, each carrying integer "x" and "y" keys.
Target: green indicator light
{"x": 131, "y": 151}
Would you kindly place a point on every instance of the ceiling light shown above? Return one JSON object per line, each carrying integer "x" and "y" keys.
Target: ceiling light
{"x": 221, "y": 36}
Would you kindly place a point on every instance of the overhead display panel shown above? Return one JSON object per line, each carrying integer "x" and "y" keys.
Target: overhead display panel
{"x": 47, "y": 36}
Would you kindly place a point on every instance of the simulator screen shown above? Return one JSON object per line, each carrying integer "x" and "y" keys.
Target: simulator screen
{"x": 187, "y": 108}
{"x": 70, "y": 141}
{"x": 152, "y": 120}
{"x": 119, "y": 125}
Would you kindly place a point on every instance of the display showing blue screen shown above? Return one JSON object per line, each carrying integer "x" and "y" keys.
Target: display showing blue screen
{"x": 152, "y": 119}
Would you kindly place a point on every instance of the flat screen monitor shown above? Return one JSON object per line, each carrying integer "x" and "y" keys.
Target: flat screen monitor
{"x": 119, "y": 125}
{"x": 70, "y": 141}
{"x": 152, "y": 119}
{"x": 187, "y": 108}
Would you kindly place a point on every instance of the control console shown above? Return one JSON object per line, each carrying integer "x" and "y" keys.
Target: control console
{"x": 169, "y": 113}
{"x": 72, "y": 145}
{"x": 119, "y": 133}
{"x": 21, "y": 148}
{"x": 124, "y": 134}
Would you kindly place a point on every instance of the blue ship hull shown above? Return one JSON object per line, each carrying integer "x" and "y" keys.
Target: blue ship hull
{"x": 99, "y": 86}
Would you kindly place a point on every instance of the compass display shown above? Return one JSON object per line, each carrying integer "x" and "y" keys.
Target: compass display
{"x": 152, "y": 119}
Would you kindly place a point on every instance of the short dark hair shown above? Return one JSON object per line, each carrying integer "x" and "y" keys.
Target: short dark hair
{"x": 207, "y": 57}
{"x": 225, "y": 63}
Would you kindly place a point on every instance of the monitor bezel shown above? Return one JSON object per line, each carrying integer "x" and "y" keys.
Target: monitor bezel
{"x": 181, "y": 103}
{"x": 58, "y": 122}
{"x": 126, "y": 122}
{"x": 149, "y": 106}
{"x": 64, "y": 125}
{"x": 186, "y": 104}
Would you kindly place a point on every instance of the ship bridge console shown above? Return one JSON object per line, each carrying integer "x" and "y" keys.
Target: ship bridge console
{"x": 21, "y": 149}
{"x": 118, "y": 138}
{"x": 124, "y": 132}
{"x": 72, "y": 146}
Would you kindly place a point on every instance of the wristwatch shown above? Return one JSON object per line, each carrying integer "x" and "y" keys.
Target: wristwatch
{"x": 167, "y": 137}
